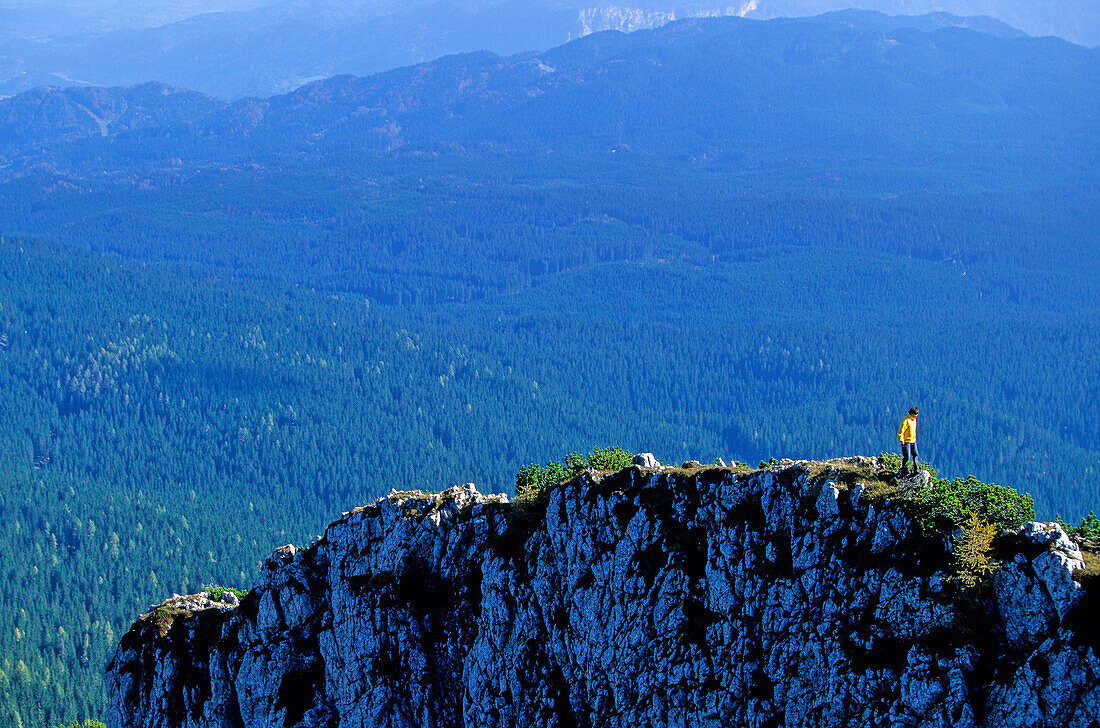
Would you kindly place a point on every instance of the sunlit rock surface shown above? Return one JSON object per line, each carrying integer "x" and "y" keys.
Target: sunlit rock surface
{"x": 790, "y": 596}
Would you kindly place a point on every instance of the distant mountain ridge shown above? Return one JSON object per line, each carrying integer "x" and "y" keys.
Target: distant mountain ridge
{"x": 50, "y": 115}
{"x": 275, "y": 48}
{"x": 1075, "y": 20}
{"x": 728, "y": 88}
{"x": 847, "y": 106}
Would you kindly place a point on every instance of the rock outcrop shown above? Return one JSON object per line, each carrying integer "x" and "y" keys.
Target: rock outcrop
{"x": 789, "y": 596}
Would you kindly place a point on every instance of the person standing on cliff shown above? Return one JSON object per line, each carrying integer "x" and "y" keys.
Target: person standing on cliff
{"x": 907, "y": 435}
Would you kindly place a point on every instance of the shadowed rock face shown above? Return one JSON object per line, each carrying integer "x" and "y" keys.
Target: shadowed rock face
{"x": 708, "y": 597}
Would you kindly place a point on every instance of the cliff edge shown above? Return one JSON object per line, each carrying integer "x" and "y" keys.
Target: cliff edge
{"x": 784, "y": 596}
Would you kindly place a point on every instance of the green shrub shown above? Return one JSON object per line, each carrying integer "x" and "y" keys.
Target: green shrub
{"x": 1089, "y": 528}
{"x": 890, "y": 460}
{"x": 217, "y": 592}
{"x": 948, "y": 504}
{"x": 85, "y": 724}
{"x": 534, "y": 478}
{"x": 610, "y": 458}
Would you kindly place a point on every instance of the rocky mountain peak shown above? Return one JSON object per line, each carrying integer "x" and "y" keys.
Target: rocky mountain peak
{"x": 790, "y": 595}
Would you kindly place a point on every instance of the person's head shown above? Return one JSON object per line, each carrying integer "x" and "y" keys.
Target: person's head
{"x": 914, "y": 412}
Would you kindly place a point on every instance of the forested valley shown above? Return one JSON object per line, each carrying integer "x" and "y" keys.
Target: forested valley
{"x": 213, "y": 341}
{"x": 164, "y": 430}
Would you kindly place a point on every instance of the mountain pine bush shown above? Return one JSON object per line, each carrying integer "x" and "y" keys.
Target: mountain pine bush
{"x": 950, "y": 504}
{"x": 534, "y": 478}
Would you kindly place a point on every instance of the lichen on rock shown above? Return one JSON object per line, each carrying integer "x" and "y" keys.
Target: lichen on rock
{"x": 652, "y": 596}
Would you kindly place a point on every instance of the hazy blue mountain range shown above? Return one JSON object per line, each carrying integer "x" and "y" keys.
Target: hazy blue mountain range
{"x": 839, "y": 105}
{"x": 57, "y": 18}
{"x": 1074, "y": 20}
{"x": 277, "y": 47}
{"x": 840, "y": 89}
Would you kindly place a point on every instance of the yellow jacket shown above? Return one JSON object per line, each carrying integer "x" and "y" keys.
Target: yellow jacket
{"x": 908, "y": 430}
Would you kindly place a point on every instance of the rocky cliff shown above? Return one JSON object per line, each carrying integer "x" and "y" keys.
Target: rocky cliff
{"x": 790, "y": 596}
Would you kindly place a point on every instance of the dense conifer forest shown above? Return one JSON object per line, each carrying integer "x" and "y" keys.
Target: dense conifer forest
{"x": 163, "y": 430}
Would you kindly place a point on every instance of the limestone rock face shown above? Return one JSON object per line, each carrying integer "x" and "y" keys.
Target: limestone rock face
{"x": 780, "y": 597}
{"x": 1036, "y": 592}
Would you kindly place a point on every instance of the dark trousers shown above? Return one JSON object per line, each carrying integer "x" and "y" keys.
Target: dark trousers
{"x": 908, "y": 449}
